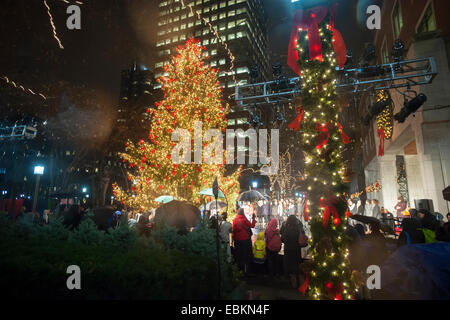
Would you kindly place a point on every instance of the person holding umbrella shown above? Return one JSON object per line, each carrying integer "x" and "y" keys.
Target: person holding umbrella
{"x": 241, "y": 232}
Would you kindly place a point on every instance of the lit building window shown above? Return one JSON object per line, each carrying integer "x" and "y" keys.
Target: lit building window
{"x": 214, "y": 7}
{"x": 231, "y": 24}
{"x": 242, "y": 70}
{"x": 428, "y": 22}
{"x": 213, "y": 63}
{"x": 222, "y": 26}
{"x": 223, "y": 4}
{"x": 231, "y": 13}
{"x": 398, "y": 20}
{"x": 183, "y": 26}
{"x": 190, "y": 24}
{"x": 213, "y": 52}
{"x": 183, "y": 37}
{"x": 231, "y": 2}
{"x": 205, "y": 42}
{"x": 222, "y": 61}
{"x": 223, "y": 15}
{"x": 231, "y": 36}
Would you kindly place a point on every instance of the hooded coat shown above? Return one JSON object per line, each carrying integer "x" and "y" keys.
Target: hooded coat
{"x": 272, "y": 234}
{"x": 241, "y": 226}
{"x": 259, "y": 247}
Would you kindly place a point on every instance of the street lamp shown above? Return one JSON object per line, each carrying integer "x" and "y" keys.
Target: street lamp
{"x": 84, "y": 189}
{"x": 255, "y": 184}
{"x": 38, "y": 171}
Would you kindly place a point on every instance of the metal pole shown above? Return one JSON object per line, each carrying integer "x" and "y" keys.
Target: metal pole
{"x": 218, "y": 248}
{"x": 36, "y": 190}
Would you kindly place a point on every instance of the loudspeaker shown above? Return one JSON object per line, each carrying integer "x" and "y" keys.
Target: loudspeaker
{"x": 426, "y": 204}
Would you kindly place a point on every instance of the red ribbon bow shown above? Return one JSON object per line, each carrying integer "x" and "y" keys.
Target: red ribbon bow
{"x": 345, "y": 138}
{"x": 330, "y": 210}
{"x": 310, "y": 20}
{"x": 324, "y": 131}
{"x": 335, "y": 290}
{"x": 382, "y": 136}
{"x": 295, "y": 125}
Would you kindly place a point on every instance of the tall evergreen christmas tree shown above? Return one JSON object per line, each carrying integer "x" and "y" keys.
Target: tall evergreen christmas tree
{"x": 319, "y": 50}
{"x": 192, "y": 95}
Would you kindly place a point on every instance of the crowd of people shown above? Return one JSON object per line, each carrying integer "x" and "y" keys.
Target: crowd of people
{"x": 276, "y": 251}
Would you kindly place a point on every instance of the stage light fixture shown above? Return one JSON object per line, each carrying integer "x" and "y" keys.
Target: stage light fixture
{"x": 255, "y": 121}
{"x": 254, "y": 73}
{"x": 410, "y": 107}
{"x": 369, "y": 53}
{"x": 376, "y": 109}
{"x": 398, "y": 50}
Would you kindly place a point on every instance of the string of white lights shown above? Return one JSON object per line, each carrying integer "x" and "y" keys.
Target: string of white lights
{"x": 69, "y": 2}
{"x": 213, "y": 30}
{"x": 18, "y": 86}
{"x": 55, "y": 35}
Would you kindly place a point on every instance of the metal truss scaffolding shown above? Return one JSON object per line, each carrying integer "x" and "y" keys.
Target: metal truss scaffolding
{"x": 401, "y": 74}
{"x": 18, "y": 132}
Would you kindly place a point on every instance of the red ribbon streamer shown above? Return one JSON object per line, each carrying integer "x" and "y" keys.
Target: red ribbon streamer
{"x": 304, "y": 286}
{"x": 324, "y": 131}
{"x": 345, "y": 138}
{"x": 330, "y": 210}
{"x": 382, "y": 136}
{"x": 295, "y": 125}
{"x": 310, "y": 20}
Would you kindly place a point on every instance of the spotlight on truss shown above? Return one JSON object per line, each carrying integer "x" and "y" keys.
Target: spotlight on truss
{"x": 398, "y": 50}
{"x": 254, "y": 73}
{"x": 255, "y": 121}
{"x": 349, "y": 62}
{"x": 369, "y": 53}
{"x": 410, "y": 107}
{"x": 376, "y": 109}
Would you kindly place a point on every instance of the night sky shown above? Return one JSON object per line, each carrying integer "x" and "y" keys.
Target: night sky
{"x": 114, "y": 32}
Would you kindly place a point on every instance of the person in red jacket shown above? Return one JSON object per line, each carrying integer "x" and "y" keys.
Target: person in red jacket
{"x": 273, "y": 245}
{"x": 242, "y": 239}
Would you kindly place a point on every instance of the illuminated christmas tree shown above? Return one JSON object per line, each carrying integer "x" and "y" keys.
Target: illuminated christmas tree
{"x": 192, "y": 95}
{"x": 318, "y": 49}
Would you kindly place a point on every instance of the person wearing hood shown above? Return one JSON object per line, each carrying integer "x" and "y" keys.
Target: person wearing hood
{"x": 241, "y": 232}
{"x": 273, "y": 245}
{"x": 259, "y": 251}
{"x": 290, "y": 233}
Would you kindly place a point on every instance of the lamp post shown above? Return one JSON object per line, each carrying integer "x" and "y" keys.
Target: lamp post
{"x": 38, "y": 171}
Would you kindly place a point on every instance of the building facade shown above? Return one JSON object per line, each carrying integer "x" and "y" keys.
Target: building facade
{"x": 416, "y": 160}
{"x": 239, "y": 23}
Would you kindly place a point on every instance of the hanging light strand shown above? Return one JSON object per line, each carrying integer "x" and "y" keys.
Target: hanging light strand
{"x": 18, "y": 86}
{"x": 216, "y": 34}
{"x": 55, "y": 35}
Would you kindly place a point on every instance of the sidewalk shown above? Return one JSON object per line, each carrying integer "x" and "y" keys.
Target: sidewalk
{"x": 259, "y": 287}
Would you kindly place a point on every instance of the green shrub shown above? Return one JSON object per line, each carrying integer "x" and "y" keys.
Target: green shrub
{"x": 114, "y": 265}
